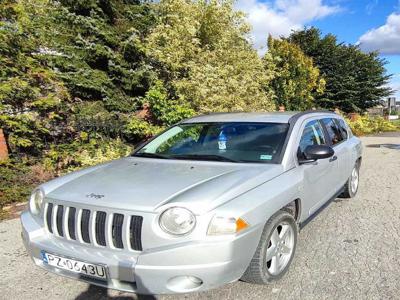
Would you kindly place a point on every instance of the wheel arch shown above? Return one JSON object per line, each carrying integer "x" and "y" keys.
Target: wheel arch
{"x": 294, "y": 208}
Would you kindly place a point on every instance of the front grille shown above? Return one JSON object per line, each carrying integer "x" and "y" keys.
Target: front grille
{"x": 59, "y": 220}
{"x": 99, "y": 228}
{"x": 71, "y": 222}
{"x": 117, "y": 230}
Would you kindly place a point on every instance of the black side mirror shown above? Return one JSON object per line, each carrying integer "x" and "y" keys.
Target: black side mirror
{"x": 314, "y": 152}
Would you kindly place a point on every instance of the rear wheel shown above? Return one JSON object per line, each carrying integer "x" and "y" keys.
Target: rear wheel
{"x": 351, "y": 186}
{"x": 275, "y": 250}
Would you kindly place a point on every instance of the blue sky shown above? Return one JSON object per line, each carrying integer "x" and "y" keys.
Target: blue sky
{"x": 374, "y": 24}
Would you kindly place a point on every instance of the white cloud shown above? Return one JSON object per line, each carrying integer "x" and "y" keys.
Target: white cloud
{"x": 280, "y": 17}
{"x": 385, "y": 39}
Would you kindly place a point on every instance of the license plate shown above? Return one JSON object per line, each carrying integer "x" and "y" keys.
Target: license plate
{"x": 74, "y": 265}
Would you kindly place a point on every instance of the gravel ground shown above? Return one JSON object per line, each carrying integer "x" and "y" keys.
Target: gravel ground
{"x": 350, "y": 251}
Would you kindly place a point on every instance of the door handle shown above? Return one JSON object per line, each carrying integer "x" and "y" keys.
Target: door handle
{"x": 333, "y": 158}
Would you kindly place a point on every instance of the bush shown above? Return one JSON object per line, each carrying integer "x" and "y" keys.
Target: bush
{"x": 84, "y": 152}
{"x": 18, "y": 178}
{"x": 368, "y": 125}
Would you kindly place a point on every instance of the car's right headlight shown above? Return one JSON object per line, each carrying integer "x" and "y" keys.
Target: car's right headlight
{"x": 35, "y": 201}
{"x": 177, "y": 221}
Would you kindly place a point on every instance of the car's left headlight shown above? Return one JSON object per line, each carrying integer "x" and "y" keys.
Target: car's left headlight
{"x": 35, "y": 201}
{"x": 220, "y": 225}
{"x": 177, "y": 221}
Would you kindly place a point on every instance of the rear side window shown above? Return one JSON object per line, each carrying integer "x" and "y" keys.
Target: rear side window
{"x": 312, "y": 135}
{"x": 334, "y": 133}
{"x": 343, "y": 128}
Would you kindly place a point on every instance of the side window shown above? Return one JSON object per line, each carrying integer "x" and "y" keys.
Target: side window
{"x": 334, "y": 133}
{"x": 312, "y": 135}
{"x": 343, "y": 128}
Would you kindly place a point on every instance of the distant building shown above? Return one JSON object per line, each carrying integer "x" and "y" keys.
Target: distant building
{"x": 385, "y": 107}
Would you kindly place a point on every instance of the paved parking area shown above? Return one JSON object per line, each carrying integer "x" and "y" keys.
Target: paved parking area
{"x": 350, "y": 251}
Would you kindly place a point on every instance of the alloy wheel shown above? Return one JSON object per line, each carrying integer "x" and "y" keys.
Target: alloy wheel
{"x": 280, "y": 248}
{"x": 354, "y": 180}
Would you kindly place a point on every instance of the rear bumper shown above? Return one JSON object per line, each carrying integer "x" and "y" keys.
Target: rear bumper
{"x": 183, "y": 267}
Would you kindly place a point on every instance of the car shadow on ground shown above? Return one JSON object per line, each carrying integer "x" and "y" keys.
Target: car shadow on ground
{"x": 100, "y": 293}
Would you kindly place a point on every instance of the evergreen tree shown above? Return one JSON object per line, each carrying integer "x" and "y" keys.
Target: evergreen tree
{"x": 33, "y": 100}
{"x": 355, "y": 80}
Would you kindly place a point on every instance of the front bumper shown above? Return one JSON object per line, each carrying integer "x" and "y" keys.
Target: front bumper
{"x": 163, "y": 270}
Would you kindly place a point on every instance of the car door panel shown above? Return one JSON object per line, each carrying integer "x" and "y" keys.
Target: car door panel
{"x": 318, "y": 184}
{"x": 338, "y": 141}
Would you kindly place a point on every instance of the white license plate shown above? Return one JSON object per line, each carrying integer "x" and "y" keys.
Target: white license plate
{"x": 75, "y": 266}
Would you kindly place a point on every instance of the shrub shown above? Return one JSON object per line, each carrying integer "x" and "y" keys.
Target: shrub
{"x": 368, "y": 125}
{"x": 83, "y": 152}
{"x": 18, "y": 178}
{"x": 139, "y": 128}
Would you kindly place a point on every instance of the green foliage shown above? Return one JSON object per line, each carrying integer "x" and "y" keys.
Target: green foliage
{"x": 100, "y": 53}
{"x": 31, "y": 96}
{"x": 297, "y": 80}
{"x": 18, "y": 179}
{"x": 206, "y": 58}
{"x": 137, "y": 127}
{"x": 355, "y": 80}
{"x": 164, "y": 110}
{"x": 83, "y": 152}
{"x": 11, "y": 176}
{"x": 368, "y": 125}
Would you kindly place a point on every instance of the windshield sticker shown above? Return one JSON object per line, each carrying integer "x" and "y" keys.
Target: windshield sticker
{"x": 265, "y": 157}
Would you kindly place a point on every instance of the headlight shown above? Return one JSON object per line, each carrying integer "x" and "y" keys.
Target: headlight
{"x": 177, "y": 221}
{"x": 226, "y": 225}
{"x": 36, "y": 200}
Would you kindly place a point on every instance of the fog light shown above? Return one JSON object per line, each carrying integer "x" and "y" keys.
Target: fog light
{"x": 184, "y": 284}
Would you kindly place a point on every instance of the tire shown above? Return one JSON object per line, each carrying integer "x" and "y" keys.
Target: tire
{"x": 351, "y": 186}
{"x": 263, "y": 270}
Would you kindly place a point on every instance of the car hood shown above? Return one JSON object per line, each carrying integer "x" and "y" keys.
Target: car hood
{"x": 144, "y": 184}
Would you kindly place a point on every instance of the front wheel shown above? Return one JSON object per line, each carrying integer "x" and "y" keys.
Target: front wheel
{"x": 351, "y": 186}
{"x": 275, "y": 250}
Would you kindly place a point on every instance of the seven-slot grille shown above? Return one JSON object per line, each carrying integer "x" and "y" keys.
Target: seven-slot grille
{"x": 99, "y": 228}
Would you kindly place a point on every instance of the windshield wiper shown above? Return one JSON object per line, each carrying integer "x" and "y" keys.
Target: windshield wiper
{"x": 151, "y": 155}
{"x": 212, "y": 157}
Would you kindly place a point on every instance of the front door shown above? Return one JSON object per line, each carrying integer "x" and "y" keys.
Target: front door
{"x": 319, "y": 182}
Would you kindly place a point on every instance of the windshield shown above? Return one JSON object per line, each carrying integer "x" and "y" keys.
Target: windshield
{"x": 235, "y": 142}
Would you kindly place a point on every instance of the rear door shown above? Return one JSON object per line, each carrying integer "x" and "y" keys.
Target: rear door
{"x": 337, "y": 140}
{"x": 319, "y": 182}
{"x": 348, "y": 161}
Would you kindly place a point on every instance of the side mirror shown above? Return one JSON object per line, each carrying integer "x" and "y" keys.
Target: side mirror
{"x": 314, "y": 152}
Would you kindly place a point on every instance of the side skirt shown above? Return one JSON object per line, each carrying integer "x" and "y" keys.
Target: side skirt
{"x": 310, "y": 218}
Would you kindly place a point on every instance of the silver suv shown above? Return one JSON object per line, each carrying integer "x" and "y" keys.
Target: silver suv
{"x": 211, "y": 200}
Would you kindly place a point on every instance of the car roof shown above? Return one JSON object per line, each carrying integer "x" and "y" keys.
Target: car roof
{"x": 269, "y": 117}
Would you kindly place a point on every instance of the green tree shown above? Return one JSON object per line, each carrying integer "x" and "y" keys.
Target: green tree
{"x": 355, "y": 80}
{"x": 96, "y": 47}
{"x": 297, "y": 80}
{"x": 67, "y": 63}
{"x": 201, "y": 50}
{"x": 33, "y": 100}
